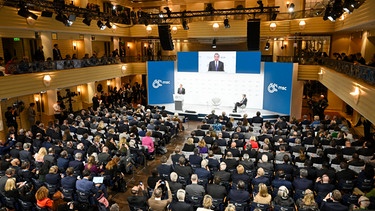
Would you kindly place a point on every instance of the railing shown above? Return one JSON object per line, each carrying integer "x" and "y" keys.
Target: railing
{"x": 32, "y": 67}
{"x": 362, "y": 72}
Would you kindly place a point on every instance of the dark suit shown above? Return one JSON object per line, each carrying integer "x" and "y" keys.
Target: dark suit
{"x": 180, "y": 206}
{"x": 213, "y": 67}
{"x": 181, "y": 91}
{"x": 86, "y": 186}
{"x": 69, "y": 182}
{"x": 242, "y": 102}
{"x": 327, "y": 206}
{"x": 56, "y": 54}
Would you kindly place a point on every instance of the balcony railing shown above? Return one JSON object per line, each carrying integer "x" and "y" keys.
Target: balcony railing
{"x": 33, "y": 67}
{"x": 362, "y": 72}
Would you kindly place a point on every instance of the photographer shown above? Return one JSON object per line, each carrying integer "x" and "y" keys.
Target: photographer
{"x": 155, "y": 202}
{"x": 332, "y": 202}
{"x": 138, "y": 199}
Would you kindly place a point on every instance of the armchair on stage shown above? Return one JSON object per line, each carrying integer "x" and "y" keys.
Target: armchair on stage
{"x": 216, "y": 102}
{"x": 178, "y": 101}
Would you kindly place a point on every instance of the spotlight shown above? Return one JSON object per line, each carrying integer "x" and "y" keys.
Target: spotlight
{"x": 348, "y": 6}
{"x": 185, "y": 25}
{"x": 87, "y": 20}
{"x": 327, "y": 13}
{"x": 358, "y": 3}
{"x": 214, "y": 43}
{"x": 161, "y": 14}
{"x": 27, "y": 14}
{"x": 64, "y": 19}
{"x": 336, "y": 11}
{"x": 108, "y": 24}
{"x": 267, "y": 47}
{"x": 226, "y": 23}
{"x": 101, "y": 25}
{"x": 291, "y": 7}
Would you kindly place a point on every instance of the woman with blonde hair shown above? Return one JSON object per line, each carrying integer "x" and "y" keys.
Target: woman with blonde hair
{"x": 263, "y": 197}
{"x": 207, "y": 204}
{"x": 308, "y": 201}
{"x": 42, "y": 199}
{"x": 189, "y": 145}
{"x": 10, "y": 188}
{"x": 122, "y": 144}
{"x": 202, "y": 146}
{"x": 230, "y": 207}
{"x": 39, "y": 157}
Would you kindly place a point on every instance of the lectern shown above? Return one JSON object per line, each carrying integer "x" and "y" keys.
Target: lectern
{"x": 178, "y": 101}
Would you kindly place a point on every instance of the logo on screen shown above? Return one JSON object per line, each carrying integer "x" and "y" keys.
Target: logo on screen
{"x": 273, "y": 87}
{"x": 158, "y": 83}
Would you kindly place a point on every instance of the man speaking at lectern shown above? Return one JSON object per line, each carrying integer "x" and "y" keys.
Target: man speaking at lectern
{"x": 181, "y": 90}
{"x": 216, "y": 65}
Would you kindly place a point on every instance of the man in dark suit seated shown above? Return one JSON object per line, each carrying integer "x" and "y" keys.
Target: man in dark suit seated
{"x": 257, "y": 118}
{"x": 69, "y": 181}
{"x": 233, "y": 149}
{"x": 84, "y": 185}
{"x": 216, "y": 65}
{"x": 301, "y": 183}
{"x": 242, "y": 102}
{"x": 180, "y": 205}
{"x": 332, "y": 202}
{"x": 223, "y": 174}
{"x": 216, "y": 190}
{"x": 164, "y": 169}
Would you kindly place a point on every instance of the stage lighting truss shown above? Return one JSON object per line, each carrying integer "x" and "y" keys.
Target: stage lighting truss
{"x": 336, "y": 8}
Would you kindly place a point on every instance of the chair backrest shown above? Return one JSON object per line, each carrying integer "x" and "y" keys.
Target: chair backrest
{"x": 25, "y": 205}
{"x": 10, "y": 202}
{"x": 357, "y": 169}
{"x": 300, "y": 164}
{"x": 365, "y": 158}
{"x": 282, "y": 208}
{"x": 68, "y": 194}
{"x": 263, "y": 207}
{"x": 196, "y": 201}
{"x": 83, "y": 197}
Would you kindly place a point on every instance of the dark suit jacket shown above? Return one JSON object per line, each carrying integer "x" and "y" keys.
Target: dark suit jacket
{"x": 69, "y": 182}
{"x": 181, "y": 91}
{"x": 327, "y": 206}
{"x": 56, "y": 54}
{"x": 180, "y": 206}
{"x": 220, "y": 66}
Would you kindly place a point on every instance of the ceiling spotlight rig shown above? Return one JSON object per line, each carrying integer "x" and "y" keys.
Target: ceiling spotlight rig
{"x": 335, "y": 8}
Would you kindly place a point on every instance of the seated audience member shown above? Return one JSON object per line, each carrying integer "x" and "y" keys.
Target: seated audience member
{"x": 180, "y": 204}
{"x": 216, "y": 149}
{"x": 213, "y": 163}
{"x": 332, "y": 202}
{"x": 230, "y": 161}
{"x": 356, "y": 161}
{"x": 203, "y": 172}
{"x": 138, "y": 199}
{"x": 222, "y": 173}
{"x": 194, "y": 189}
{"x": 10, "y": 188}
{"x": 53, "y": 177}
{"x": 182, "y": 170}
{"x": 260, "y": 178}
{"x": 42, "y": 199}
{"x": 189, "y": 145}
{"x": 323, "y": 187}
{"x": 363, "y": 203}
{"x": 69, "y": 181}
{"x": 216, "y": 190}
{"x": 195, "y": 159}
{"x": 233, "y": 149}
{"x": 164, "y": 169}
{"x": 308, "y": 201}
{"x": 153, "y": 179}
{"x": 283, "y": 199}
{"x": 280, "y": 180}
{"x": 246, "y": 162}
{"x": 173, "y": 184}
{"x": 365, "y": 178}
{"x": 86, "y": 186}
{"x": 239, "y": 174}
{"x": 262, "y": 197}
{"x": 266, "y": 165}
{"x": 202, "y": 146}
{"x": 239, "y": 195}
{"x": 301, "y": 183}
{"x": 27, "y": 193}
{"x": 156, "y": 202}
{"x": 207, "y": 203}
{"x": 176, "y": 156}
{"x": 220, "y": 140}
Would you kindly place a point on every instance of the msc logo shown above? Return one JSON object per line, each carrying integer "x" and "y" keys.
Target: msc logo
{"x": 158, "y": 83}
{"x": 273, "y": 87}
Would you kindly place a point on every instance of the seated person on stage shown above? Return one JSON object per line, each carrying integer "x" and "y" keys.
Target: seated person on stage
{"x": 242, "y": 102}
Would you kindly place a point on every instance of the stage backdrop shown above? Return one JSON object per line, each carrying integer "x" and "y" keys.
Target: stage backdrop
{"x": 160, "y": 76}
{"x": 277, "y": 87}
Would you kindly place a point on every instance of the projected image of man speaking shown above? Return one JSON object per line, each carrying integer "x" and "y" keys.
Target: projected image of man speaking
{"x": 216, "y": 64}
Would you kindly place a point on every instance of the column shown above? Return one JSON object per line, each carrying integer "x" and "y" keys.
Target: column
{"x": 88, "y": 44}
{"x": 46, "y": 40}
{"x": 91, "y": 89}
{"x": 51, "y": 99}
{"x": 118, "y": 83}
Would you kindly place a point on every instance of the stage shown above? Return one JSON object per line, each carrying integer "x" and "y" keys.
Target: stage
{"x": 198, "y": 112}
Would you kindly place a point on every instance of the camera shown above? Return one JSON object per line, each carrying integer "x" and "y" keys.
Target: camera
{"x": 140, "y": 183}
{"x": 162, "y": 182}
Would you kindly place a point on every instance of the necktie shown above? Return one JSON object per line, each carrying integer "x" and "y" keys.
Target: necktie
{"x": 216, "y": 65}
